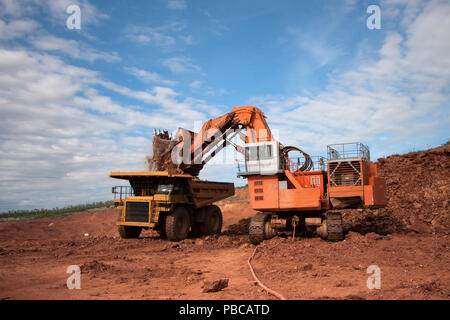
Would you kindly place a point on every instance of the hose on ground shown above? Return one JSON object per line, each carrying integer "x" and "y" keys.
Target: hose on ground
{"x": 268, "y": 290}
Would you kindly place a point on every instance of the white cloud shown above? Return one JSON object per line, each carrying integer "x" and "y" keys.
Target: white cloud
{"x": 152, "y": 37}
{"x": 16, "y": 8}
{"x": 177, "y": 4}
{"x": 166, "y": 98}
{"x": 407, "y": 10}
{"x": 44, "y": 136}
{"x": 72, "y": 48}
{"x": 180, "y": 64}
{"x": 316, "y": 44}
{"x": 17, "y": 28}
{"x": 210, "y": 91}
{"x": 147, "y": 76}
{"x": 60, "y": 136}
{"x": 161, "y": 36}
{"x": 216, "y": 91}
{"x": 195, "y": 84}
{"x": 187, "y": 39}
{"x": 57, "y": 10}
{"x": 140, "y": 38}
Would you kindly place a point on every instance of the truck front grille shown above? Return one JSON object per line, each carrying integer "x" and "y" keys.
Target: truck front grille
{"x": 136, "y": 211}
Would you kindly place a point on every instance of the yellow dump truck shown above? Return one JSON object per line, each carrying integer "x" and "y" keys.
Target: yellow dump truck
{"x": 176, "y": 205}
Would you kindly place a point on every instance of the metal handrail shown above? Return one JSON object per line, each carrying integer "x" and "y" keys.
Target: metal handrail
{"x": 348, "y": 151}
{"x": 319, "y": 162}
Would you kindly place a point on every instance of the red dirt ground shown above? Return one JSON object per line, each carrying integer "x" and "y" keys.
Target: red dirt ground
{"x": 408, "y": 240}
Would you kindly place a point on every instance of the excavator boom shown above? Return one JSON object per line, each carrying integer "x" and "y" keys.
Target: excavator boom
{"x": 196, "y": 149}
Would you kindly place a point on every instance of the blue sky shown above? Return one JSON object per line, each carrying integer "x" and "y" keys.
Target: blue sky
{"x": 77, "y": 104}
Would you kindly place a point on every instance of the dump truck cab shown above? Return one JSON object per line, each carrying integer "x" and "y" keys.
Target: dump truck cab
{"x": 175, "y": 205}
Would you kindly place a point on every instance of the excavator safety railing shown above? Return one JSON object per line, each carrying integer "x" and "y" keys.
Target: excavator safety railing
{"x": 319, "y": 163}
{"x": 143, "y": 190}
{"x": 354, "y": 150}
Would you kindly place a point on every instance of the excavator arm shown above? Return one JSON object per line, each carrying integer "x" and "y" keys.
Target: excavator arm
{"x": 192, "y": 151}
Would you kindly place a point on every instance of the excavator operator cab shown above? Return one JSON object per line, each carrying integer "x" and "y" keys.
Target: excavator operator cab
{"x": 262, "y": 158}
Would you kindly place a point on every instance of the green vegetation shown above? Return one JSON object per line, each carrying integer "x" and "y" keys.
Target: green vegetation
{"x": 49, "y": 213}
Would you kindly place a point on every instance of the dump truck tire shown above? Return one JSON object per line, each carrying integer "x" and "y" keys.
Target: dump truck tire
{"x": 256, "y": 229}
{"x": 128, "y": 232}
{"x": 178, "y": 224}
{"x": 212, "y": 221}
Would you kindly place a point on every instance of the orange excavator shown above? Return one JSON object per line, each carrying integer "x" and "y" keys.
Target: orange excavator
{"x": 288, "y": 193}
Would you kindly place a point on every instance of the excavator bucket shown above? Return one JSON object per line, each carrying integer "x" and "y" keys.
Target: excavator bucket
{"x": 168, "y": 154}
{"x": 161, "y": 160}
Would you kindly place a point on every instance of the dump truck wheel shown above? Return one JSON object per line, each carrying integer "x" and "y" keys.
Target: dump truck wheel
{"x": 212, "y": 221}
{"x": 177, "y": 224}
{"x": 257, "y": 227}
{"x": 331, "y": 228}
{"x": 128, "y": 232}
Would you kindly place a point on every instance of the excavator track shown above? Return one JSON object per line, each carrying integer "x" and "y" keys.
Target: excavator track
{"x": 256, "y": 228}
{"x": 335, "y": 230}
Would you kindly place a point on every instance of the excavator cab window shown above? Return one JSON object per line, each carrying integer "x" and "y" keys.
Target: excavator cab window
{"x": 262, "y": 157}
{"x": 265, "y": 152}
{"x": 251, "y": 153}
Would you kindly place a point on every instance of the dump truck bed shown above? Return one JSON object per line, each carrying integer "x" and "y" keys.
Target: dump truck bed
{"x": 200, "y": 192}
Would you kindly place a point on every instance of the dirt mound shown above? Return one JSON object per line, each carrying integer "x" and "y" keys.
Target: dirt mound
{"x": 418, "y": 189}
{"x": 239, "y": 228}
{"x": 367, "y": 221}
